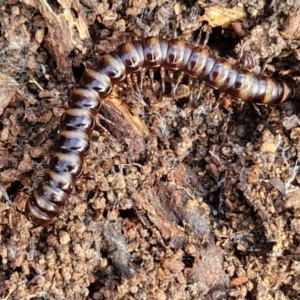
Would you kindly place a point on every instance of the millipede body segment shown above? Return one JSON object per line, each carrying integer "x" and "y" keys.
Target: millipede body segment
{"x": 77, "y": 123}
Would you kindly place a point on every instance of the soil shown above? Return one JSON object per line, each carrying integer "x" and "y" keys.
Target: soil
{"x": 186, "y": 196}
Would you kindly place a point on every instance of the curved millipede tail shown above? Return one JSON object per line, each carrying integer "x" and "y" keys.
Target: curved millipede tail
{"x": 77, "y": 123}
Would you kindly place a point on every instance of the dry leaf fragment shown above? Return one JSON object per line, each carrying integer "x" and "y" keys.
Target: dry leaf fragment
{"x": 217, "y": 15}
{"x": 239, "y": 280}
{"x": 8, "y": 89}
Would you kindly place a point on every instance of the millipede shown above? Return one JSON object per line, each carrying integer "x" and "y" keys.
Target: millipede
{"x": 77, "y": 123}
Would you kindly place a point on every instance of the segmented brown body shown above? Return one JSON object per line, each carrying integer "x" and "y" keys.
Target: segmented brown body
{"x": 77, "y": 123}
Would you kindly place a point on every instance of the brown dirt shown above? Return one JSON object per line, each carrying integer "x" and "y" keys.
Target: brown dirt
{"x": 183, "y": 199}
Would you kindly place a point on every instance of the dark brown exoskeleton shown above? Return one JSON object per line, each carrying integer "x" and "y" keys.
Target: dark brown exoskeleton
{"x": 77, "y": 123}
